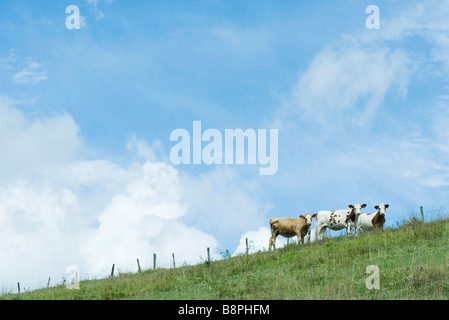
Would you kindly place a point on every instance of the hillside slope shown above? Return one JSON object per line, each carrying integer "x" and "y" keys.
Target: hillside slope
{"x": 413, "y": 261}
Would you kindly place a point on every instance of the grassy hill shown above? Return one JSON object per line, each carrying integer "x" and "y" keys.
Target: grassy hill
{"x": 413, "y": 261}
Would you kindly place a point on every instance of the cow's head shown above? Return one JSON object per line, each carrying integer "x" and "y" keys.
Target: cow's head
{"x": 308, "y": 217}
{"x": 357, "y": 208}
{"x": 381, "y": 208}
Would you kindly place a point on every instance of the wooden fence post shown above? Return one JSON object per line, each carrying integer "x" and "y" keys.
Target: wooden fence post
{"x": 18, "y": 287}
{"x": 247, "y": 247}
{"x": 174, "y": 264}
{"x": 48, "y": 282}
{"x": 208, "y": 255}
{"x": 422, "y": 213}
{"x": 138, "y": 266}
{"x": 154, "y": 261}
{"x": 112, "y": 270}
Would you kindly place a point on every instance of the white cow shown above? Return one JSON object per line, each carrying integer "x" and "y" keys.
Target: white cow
{"x": 375, "y": 220}
{"x": 338, "y": 219}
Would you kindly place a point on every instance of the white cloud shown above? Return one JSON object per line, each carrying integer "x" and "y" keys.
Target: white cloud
{"x": 26, "y": 70}
{"x": 32, "y": 73}
{"x": 143, "y": 150}
{"x": 365, "y": 76}
{"x": 5, "y": 63}
{"x": 58, "y": 210}
{"x": 223, "y": 203}
{"x": 37, "y": 239}
{"x": 257, "y": 241}
{"x": 423, "y": 21}
{"x": 348, "y": 82}
{"x": 142, "y": 219}
{"x": 93, "y": 219}
{"x": 350, "y": 79}
{"x": 100, "y": 15}
{"x": 418, "y": 159}
{"x": 29, "y": 144}
{"x": 94, "y": 4}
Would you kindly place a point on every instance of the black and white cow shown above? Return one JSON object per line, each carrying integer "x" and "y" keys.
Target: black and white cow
{"x": 338, "y": 219}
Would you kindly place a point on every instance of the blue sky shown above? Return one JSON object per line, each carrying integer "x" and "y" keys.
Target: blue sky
{"x": 165, "y": 60}
{"x": 86, "y": 117}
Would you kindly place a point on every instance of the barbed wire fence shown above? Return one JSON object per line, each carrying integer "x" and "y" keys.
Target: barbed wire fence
{"x": 140, "y": 264}
{"x": 205, "y": 255}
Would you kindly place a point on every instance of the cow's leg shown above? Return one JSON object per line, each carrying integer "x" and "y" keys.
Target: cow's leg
{"x": 272, "y": 243}
{"x": 348, "y": 229}
{"x": 323, "y": 232}
{"x": 299, "y": 237}
{"x": 317, "y": 231}
{"x": 320, "y": 232}
{"x": 303, "y": 236}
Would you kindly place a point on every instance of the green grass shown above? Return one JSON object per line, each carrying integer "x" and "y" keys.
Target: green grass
{"x": 413, "y": 261}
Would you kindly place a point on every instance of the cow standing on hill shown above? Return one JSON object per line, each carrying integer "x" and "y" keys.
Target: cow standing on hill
{"x": 288, "y": 227}
{"x": 338, "y": 219}
{"x": 375, "y": 220}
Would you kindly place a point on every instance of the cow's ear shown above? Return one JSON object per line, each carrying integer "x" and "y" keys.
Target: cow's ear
{"x": 364, "y": 205}
{"x": 376, "y": 207}
{"x": 314, "y": 215}
{"x": 301, "y": 216}
{"x": 351, "y": 206}
{"x": 386, "y": 206}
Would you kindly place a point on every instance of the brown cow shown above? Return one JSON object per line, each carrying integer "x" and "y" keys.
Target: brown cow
{"x": 288, "y": 227}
